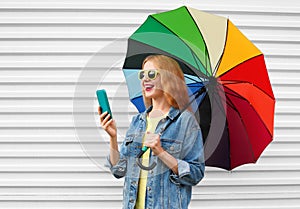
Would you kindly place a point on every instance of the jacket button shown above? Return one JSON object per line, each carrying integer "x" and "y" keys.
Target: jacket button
{"x": 172, "y": 148}
{"x": 131, "y": 200}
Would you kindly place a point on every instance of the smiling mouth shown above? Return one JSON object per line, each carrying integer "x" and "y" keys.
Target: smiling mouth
{"x": 148, "y": 87}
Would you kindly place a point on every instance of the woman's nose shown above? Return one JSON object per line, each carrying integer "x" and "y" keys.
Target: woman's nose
{"x": 145, "y": 78}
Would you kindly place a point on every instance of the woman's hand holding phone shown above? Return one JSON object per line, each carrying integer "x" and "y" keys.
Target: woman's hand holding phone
{"x": 107, "y": 123}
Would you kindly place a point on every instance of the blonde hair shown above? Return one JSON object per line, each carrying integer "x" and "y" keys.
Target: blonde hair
{"x": 172, "y": 79}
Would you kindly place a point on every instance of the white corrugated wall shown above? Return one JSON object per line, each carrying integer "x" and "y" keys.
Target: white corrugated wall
{"x": 44, "y": 48}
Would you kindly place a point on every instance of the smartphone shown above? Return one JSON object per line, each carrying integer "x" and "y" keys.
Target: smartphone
{"x": 103, "y": 101}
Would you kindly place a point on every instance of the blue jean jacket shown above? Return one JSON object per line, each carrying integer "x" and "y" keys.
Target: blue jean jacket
{"x": 165, "y": 190}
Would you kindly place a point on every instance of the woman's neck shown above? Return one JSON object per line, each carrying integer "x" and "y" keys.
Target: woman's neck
{"x": 161, "y": 105}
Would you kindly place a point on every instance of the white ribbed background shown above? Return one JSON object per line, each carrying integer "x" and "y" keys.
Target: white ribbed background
{"x": 44, "y": 45}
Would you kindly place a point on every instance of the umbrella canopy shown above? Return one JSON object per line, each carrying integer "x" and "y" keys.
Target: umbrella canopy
{"x": 237, "y": 112}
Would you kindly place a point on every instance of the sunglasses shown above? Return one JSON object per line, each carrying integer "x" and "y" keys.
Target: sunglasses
{"x": 151, "y": 74}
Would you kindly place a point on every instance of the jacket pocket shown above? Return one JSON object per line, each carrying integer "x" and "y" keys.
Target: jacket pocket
{"x": 133, "y": 147}
{"x": 172, "y": 146}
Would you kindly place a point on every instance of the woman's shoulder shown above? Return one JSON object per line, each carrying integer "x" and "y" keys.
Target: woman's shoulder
{"x": 186, "y": 114}
{"x": 189, "y": 117}
{"x": 137, "y": 117}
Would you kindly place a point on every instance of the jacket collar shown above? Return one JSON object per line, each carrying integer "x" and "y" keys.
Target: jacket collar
{"x": 173, "y": 112}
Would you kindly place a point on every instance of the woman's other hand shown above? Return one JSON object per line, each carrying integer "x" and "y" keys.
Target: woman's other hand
{"x": 153, "y": 141}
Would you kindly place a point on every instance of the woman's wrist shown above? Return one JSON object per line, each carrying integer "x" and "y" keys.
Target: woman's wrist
{"x": 113, "y": 143}
{"x": 113, "y": 138}
{"x": 169, "y": 160}
{"x": 158, "y": 151}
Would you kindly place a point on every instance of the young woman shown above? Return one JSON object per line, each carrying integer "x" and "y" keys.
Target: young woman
{"x": 177, "y": 150}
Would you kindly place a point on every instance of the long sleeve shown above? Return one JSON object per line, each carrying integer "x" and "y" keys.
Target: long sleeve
{"x": 191, "y": 166}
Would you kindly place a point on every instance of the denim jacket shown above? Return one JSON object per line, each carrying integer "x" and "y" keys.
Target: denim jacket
{"x": 165, "y": 190}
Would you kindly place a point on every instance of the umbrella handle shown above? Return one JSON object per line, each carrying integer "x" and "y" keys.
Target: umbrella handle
{"x": 139, "y": 160}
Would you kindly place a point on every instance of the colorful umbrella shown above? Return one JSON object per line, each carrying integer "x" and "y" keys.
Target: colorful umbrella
{"x": 237, "y": 112}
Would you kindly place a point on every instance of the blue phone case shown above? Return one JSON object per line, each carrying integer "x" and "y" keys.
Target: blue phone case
{"x": 103, "y": 101}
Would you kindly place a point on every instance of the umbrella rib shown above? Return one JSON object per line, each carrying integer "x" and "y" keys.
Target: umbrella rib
{"x": 224, "y": 100}
{"x": 206, "y": 51}
{"x": 235, "y": 95}
{"x": 203, "y": 41}
{"x": 242, "y": 121}
{"x": 218, "y": 63}
{"x": 192, "y": 79}
{"x": 239, "y": 64}
{"x": 197, "y": 92}
{"x": 226, "y": 82}
{"x": 220, "y": 105}
{"x": 221, "y": 57}
{"x": 193, "y": 54}
{"x": 229, "y": 82}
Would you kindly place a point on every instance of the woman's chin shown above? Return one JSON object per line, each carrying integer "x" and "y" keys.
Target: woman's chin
{"x": 148, "y": 95}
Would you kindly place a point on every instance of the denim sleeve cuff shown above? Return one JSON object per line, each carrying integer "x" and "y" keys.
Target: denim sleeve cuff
{"x": 119, "y": 170}
{"x": 183, "y": 170}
